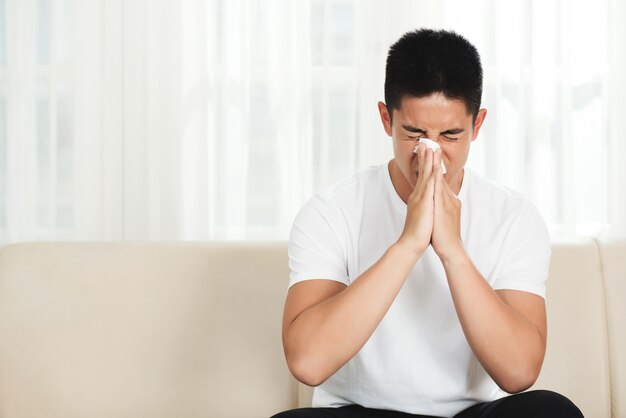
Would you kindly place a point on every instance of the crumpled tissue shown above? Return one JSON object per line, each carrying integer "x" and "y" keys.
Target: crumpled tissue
{"x": 433, "y": 146}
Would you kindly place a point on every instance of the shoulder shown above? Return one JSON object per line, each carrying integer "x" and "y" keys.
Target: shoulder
{"x": 484, "y": 185}
{"x": 500, "y": 206}
{"x": 319, "y": 242}
{"x": 350, "y": 192}
{"x": 350, "y": 186}
{"x": 343, "y": 200}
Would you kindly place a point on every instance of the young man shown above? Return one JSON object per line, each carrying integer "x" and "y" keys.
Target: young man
{"x": 418, "y": 293}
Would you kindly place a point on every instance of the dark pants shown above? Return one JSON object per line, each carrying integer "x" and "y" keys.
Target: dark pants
{"x": 533, "y": 404}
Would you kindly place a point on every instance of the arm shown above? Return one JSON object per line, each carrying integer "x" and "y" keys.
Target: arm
{"x": 506, "y": 329}
{"x": 337, "y": 320}
{"x": 326, "y": 323}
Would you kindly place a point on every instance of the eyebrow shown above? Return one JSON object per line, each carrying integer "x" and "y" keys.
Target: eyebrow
{"x": 421, "y": 131}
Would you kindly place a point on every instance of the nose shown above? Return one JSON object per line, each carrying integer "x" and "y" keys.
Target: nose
{"x": 428, "y": 140}
{"x": 434, "y": 139}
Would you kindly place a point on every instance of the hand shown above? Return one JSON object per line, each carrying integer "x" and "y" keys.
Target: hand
{"x": 446, "y": 238}
{"x": 418, "y": 225}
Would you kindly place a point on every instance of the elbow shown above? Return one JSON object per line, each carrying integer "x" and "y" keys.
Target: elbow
{"x": 519, "y": 380}
{"x": 306, "y": 372}
{"x": 516, "y": 386}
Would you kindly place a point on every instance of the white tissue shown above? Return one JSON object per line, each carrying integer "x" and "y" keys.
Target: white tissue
{"x": 433, "y": 146}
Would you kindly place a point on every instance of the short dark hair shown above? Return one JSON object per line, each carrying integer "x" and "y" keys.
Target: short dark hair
{"x": 425, "y": 61}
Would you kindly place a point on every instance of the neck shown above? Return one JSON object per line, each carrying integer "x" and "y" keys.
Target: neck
{"x": 404, "y": 188}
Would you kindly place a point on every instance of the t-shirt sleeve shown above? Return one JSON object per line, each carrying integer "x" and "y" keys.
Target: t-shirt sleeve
{"x": 316, "y": 244}
{"x": 527, "y": 256}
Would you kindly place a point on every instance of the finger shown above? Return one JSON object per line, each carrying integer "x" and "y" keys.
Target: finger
{"x": 424, "y": 175}
{"x": 430, "y": 186}
{"x": 421, "y": 156}
{"x": 428, "y": 162}
{"x": 417, "y": 161}
{"x": 415, "y": 167}
{"x": 437, "y": 161}
{"x": 420, "y": 164}
{"x": 439, "y": 181}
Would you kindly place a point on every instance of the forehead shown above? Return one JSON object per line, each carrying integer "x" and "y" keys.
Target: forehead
{"x": 434, "y": 111}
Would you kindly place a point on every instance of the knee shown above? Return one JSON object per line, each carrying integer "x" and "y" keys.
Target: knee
{"x": 552, "y": 404}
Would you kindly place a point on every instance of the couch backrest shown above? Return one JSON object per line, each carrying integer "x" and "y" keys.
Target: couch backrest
{"x": 194, "y": 329}
{"x": 143, "y": 330}
{"x": 576, "y": 362}
{"x": 613, "y": 256}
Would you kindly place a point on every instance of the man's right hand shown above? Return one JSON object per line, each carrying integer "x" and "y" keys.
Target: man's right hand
{"x": 418, "y": 226}
{"x": 351, "y": 314}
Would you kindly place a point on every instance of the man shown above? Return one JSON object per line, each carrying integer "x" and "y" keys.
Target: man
{"x": 418, "y": 293}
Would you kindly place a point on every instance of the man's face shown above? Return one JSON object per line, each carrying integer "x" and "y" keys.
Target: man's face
{"x": 435, "y": 117}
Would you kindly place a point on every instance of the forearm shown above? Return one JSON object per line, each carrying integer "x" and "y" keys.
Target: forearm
{"x": 326, "y": 336}
{"x": 508, "y": 345}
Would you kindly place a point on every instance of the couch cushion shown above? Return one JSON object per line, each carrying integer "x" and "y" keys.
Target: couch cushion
{"x": 576, "y": 362}
{"x": 143, "y": 330}
{"x": 613, "y": 254}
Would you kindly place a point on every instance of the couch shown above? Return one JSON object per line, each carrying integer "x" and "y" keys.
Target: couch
{"x": 184, "y": 329}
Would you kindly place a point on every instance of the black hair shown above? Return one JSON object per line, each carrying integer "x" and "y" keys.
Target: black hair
{"x": 425, "y": 61}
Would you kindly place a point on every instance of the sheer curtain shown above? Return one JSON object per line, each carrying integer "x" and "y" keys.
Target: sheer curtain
{"x": 548, "y": 69}
{"x": 200, "y": 120}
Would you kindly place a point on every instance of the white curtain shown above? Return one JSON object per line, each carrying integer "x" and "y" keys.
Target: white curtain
{"x": 202, "y": 120}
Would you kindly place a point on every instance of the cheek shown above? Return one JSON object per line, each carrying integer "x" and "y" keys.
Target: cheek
{"x": 403, "y": 151}
{"x": 409, "y": 155}
{"x": 458, "y": 153}
{"x": 413, "y": 160}
{"x": 406, "y": 160}
{"x": 456, "y": 157}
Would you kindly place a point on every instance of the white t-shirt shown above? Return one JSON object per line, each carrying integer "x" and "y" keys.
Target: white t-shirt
{"x": 417, "y": 360}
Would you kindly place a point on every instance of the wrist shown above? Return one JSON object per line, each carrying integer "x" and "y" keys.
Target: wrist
{"x": 456, "y": 255}
{"x": 408, "y": 249}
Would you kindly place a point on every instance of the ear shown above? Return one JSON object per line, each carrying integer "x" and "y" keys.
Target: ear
{"x": 478, "y": 123}
{"x": 385, "y": 117}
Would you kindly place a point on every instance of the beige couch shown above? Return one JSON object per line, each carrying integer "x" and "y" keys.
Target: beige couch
{"x": 193, "y": 329}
